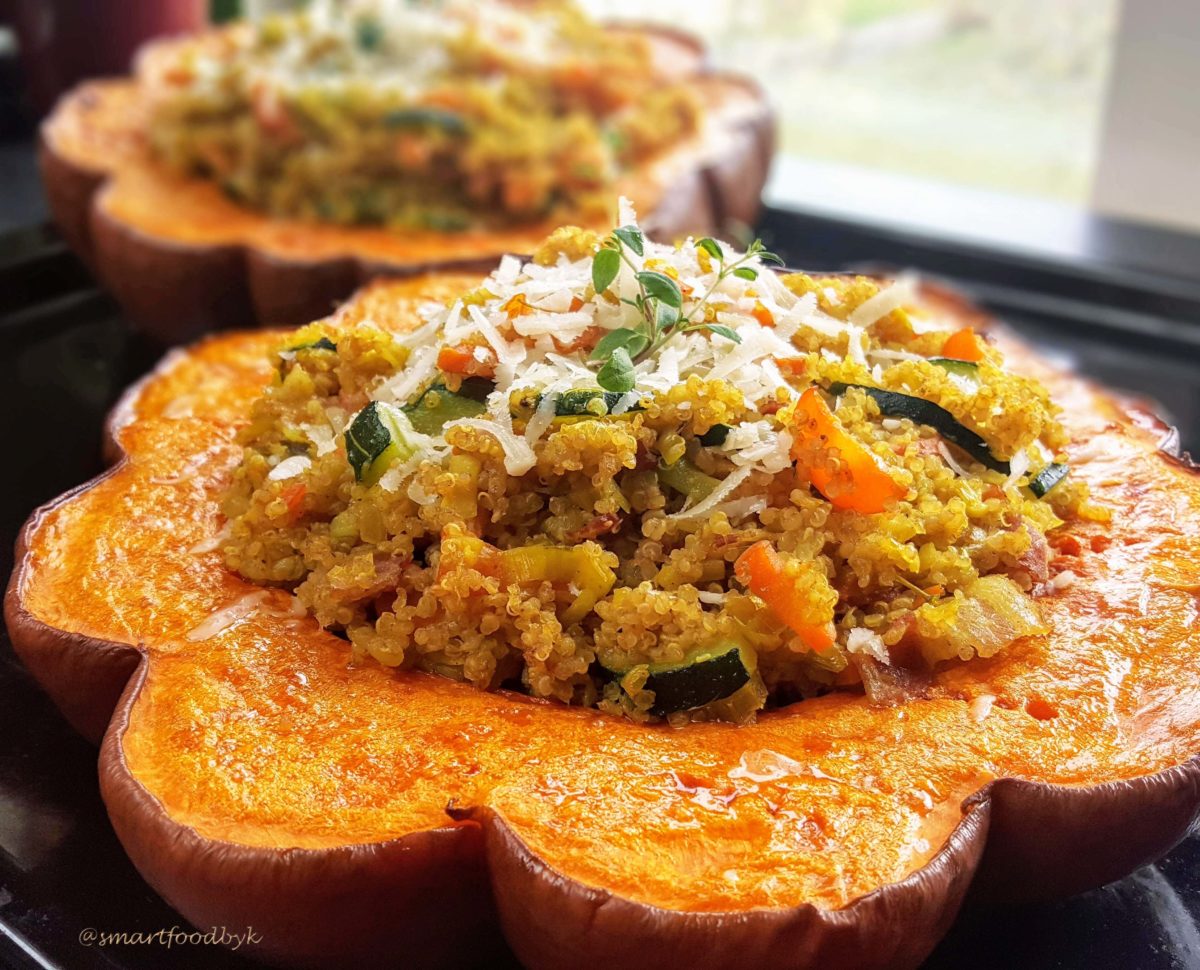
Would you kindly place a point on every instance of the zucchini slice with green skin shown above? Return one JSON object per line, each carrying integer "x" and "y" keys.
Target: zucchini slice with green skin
{"x": 437, "y": 407}
{"x": 447, "y": 121}
{"x": 587, "y": 402}
{"x": 715, "y": 435}
{"x": 705, "y": 677}
{"x": 379, "y": 435}
{"x": 964, "y": 373}
{"x": 920, "y": 411}
{"x": 321, "y": 343}
{"x": 687, "y": 479}
{"x": 1047, "y": 478}
{"x": 964, "y": 368}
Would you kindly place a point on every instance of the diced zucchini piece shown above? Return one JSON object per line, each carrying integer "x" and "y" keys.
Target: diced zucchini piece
{"x": 920, "y": 411}
{"x": 321, "y": 343}
{"x": 1047, "y": 478}
{"x": 437, "y": 407}
{"x": 967, "y": 368}
{"x": 715, "y": 435}
{"x": 379, "y": 435}
{"x": 706, "y": 676}
{"x": 687, "y": 479}
{"x": 964, "y": 373}
{"x": 589, "y": 402}
{"x": 447, "y": 121}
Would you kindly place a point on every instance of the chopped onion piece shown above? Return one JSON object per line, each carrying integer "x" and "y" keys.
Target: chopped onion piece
{"x": 955, "y": 467}
{"x": 716, "y": 497}
{"x": 1017, "y": 468}
{"x": 862, "y": 640}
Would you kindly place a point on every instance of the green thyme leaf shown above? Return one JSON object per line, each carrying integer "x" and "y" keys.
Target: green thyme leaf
{"x": 632, "y": 237}
{"x": 745, "y": 273}
{"x": 711, "y": 246}
{"x": 661, "y": 287}
{"x": 632, "y": 341}
{"x": 617, "y": 374}
{"x": 605, "y": 266}
{"x": 766, "y": 256}
{"x": 726, "y": 332}
{"x": 368, "y": 34}
{"x": 665, "y": 317}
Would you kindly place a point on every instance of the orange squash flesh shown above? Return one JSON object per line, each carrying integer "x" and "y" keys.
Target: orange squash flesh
{"x": 182, "y": 258}
{"x": 343, "y": 810}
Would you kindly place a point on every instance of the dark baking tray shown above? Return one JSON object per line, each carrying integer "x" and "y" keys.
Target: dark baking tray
{"x": 62, "y": 872}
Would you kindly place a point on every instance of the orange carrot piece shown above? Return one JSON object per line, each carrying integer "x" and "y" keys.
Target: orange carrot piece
{"x": 461, "y": 359}
{"x": 762, "y": 314}
{"x": 793, "y": 366}
{"x": 856, "y": 482}
{"x": 963, "y": 345}
{"x": 517, "y": 306}
{"x": 761, "y": 569}
{"x": 293, "y": 497}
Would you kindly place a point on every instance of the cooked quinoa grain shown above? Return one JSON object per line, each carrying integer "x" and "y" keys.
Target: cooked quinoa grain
{"x": 798, "y": 484}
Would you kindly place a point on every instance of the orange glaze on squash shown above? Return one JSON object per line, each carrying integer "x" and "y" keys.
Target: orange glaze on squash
{"x": 275, "y": 739}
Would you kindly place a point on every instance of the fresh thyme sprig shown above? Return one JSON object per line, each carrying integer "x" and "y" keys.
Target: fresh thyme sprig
{"x": 659, "y": 302}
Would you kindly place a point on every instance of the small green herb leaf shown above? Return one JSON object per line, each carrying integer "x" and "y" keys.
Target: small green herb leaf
{"x": 632, "y": 341}
{"x": 726, "y": 332}
{"x": 617, "y": 374}
{"x": 605, "y": 266}
{"x": 665, "y": 317}
{"x": 745, "y": 273}
{"x": 632, "y": 237}
{"x": 661, "y": 287}
{"x": 711, "y": 246}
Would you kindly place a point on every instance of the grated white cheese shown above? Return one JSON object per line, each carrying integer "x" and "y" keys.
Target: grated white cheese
{"x": 901, "y": 292}
{"x": 518, "y": 456}
{"x": 543, "y": 417}
{"x": 416, "y": 373}
{"x": 290, "y": 468}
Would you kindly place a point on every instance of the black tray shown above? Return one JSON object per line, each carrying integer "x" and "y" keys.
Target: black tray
{"x": 62, "y": 872}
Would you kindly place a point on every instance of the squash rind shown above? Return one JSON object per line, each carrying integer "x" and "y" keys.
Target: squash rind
{"x": 1016, "y": 838}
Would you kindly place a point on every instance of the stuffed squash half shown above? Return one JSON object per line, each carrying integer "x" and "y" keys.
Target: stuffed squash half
{"x": 264, "y": 169}
{"x": 636, "y": 603}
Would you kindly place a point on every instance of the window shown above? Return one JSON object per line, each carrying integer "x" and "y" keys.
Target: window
{"x": 1005, "y": 95}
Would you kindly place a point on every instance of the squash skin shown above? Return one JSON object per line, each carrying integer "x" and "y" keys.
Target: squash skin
{"x": 182, "y": 260}
{"x": 1015, "y": 838}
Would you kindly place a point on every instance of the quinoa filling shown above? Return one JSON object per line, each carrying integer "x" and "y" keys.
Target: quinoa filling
{"x": 415, "y": 114}
{"x": 663, "y": 481}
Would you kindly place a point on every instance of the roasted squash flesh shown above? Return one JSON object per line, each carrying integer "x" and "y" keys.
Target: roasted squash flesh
{"x": 250, "y": 726}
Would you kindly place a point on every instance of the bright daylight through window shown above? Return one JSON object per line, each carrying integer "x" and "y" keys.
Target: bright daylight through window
{"x": 996, "y": 94}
